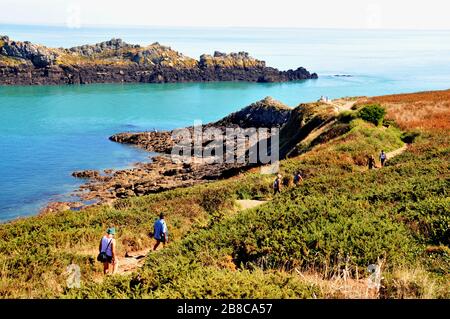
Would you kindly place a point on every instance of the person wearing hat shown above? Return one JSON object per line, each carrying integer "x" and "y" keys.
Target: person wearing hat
{"x": 160, "y": 232}
{"x": 107, "y": 250}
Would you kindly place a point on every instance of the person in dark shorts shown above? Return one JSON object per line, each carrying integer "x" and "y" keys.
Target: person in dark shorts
{"x": 161, "y": 233}
{"x": 383, "y": 158}
{"x": 108, "y": 246}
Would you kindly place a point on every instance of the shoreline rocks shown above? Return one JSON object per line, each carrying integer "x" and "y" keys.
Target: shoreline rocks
{"x": 90, "y": 174}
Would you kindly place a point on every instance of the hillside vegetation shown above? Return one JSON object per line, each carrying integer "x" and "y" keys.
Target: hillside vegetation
{"x": 315, "y": 240}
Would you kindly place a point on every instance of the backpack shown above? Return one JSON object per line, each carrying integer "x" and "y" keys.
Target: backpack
{"x": 102, "y": 257}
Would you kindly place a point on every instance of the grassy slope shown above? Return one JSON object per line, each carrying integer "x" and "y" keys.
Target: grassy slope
{"x": 342, "y": 212}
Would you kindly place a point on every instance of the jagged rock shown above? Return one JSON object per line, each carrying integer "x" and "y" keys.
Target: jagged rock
{"x": 113, "y": 44}
{"x": 38, "y": 55}
{"x": 86, "y": 174}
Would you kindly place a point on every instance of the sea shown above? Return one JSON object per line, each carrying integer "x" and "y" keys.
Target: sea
{"x": 47, "y": 132}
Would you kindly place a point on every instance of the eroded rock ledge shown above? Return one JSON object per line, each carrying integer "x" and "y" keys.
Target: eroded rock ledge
{"x": 115, "y": 61}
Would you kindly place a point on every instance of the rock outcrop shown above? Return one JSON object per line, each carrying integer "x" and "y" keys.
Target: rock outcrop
{"x": 115, "y": 61}
{"x": 265, "y": 113}
{"x": 163, "y": 173}
{"x": 86, "y": 174}
{"x": 39, "y": 56}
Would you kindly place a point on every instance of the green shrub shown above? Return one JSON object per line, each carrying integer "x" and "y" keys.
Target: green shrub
{"x": 372, "y": 113}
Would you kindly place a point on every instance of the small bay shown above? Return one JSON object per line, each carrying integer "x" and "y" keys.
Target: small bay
{"x": 47, "y": 132}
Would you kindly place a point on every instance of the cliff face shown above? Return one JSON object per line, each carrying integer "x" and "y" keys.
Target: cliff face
{"x": 24, "y": 63}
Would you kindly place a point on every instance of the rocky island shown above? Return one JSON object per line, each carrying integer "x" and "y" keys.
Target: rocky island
{"x": 115, "y": 61}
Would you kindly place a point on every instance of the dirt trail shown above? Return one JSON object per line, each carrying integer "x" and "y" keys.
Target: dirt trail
{"x": 131, "y": 261}
{"x": 249, "y": 203}
{"x": 342, "y": 104}
{"x": 135, "y": 260}
{"x": 396, "y": 152}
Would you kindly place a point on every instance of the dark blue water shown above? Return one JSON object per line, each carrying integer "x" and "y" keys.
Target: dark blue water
{"x": 48, "y": 132}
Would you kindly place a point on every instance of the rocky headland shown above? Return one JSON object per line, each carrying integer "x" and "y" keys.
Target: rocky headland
{"x": 162, "y": 173}
{"x": 115, "y": 61}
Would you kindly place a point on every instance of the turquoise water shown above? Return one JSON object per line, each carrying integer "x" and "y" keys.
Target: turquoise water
{"x": 48, "y": 132}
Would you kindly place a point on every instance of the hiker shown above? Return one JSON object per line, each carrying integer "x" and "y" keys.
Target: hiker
{"x": 107, "y": 251}
{"x": 277, "y": 185}
{"x": 371, "y": 162}
{"x": 298, "y": 178}
{"x": 383, "y": 158}
{"x": 161, "y": 233}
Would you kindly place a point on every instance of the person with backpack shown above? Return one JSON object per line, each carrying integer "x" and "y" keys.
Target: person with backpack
{"x": 161, "y": 233}
{"x": 107, "y": 251}
{"x": 277, "y": 185}
{"x": 298, "y": 178}
{"x": 383, "y": 158}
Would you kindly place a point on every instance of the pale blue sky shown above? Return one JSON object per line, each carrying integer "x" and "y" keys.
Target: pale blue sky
{"x": 387, "y": 14}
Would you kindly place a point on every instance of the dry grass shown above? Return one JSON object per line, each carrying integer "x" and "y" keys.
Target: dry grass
{"x": 11, "y": 61}
{"x": 342, "y": 288}
{"x": 413, "y": 283}
{"x": 424, "y": 110}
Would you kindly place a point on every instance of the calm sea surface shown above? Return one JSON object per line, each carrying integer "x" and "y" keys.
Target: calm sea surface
{"x": 47, "y": 132}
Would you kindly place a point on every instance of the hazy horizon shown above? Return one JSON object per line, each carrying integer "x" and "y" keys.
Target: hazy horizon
{"x": 321, "y": 14}
{"x": 111, "y": 26}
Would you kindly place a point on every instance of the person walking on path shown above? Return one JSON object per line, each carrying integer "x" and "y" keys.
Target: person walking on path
{"x": 371, "y": 162}
{"x": 298, "y": 178}
{"x": 277, "y": 185}
{"x": 161, "y": 233}
{"x": 107, "y": 251}
{"x": 383, "y": 158}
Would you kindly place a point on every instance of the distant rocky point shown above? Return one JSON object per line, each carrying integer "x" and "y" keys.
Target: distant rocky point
{"x": 115, "y": 61}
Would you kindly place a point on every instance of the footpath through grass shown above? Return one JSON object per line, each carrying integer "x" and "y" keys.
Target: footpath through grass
{"x": 343, "y": 217}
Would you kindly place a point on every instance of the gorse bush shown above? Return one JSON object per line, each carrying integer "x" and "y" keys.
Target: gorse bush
{"x": 372, "y": 113}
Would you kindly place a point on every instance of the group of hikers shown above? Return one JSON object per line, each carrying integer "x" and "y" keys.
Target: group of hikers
{"x": 298, "y": 178}
{"x": 107, "y": 248}
{"x": 371, "y": 160}
{"x": 280, "y": 182}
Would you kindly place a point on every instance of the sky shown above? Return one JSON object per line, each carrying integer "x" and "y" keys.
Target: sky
{"x": 355, "y": 14}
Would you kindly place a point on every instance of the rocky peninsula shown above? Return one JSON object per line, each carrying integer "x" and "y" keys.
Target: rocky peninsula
{"x": 115, "y": 61}
{"x": 162, "y": 173}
